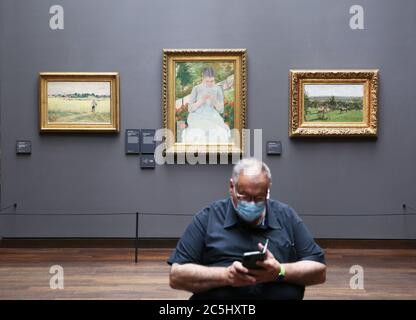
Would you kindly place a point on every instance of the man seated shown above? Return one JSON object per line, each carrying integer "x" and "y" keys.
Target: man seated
{"x": 208, "y": 258}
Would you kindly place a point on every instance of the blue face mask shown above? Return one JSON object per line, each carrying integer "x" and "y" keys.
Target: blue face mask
{"x": 250, "y": 211}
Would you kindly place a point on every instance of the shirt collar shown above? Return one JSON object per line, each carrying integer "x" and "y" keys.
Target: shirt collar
{"x": 231, "y": 217}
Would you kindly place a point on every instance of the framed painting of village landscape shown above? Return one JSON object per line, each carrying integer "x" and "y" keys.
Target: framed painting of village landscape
{"x": 204, "y": 100}
{"x": 86, "y": 102}
{"x": 334, "y": 103}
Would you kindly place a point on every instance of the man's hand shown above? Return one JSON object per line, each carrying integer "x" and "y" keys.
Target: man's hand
{"x": 238, "y": 276}
{"x": 270, "y": 268}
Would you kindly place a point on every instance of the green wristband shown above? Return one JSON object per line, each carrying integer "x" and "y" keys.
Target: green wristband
{"x": 282, "y": 273}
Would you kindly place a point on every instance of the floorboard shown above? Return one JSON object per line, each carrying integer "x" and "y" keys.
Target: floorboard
{"x": 110, "y": 273}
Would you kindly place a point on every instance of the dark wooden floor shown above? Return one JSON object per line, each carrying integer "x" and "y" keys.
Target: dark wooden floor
{"x": 105, "y": 273}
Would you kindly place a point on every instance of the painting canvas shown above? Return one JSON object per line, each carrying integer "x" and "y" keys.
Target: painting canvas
{"x": 334, "y": 103}
{"x": 205, "y": 98}
{"x": 79, "y": 102}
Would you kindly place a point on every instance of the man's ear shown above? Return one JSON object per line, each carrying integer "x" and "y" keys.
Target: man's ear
{"x": 231, "y": 186}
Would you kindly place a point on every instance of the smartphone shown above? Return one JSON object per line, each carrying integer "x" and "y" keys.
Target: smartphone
{"x": 250, "y": 258}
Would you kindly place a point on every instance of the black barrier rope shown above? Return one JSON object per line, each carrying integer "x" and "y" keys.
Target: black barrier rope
{"x": 136, "y": 240}
{"x": 301, "y": 214}
{"x": 397, "y": 214}
{"x": 67, "y": 214}
{"x": 306, "y": 214}
{"x": 137, "y": 214}
{"x": 405, "y": 206}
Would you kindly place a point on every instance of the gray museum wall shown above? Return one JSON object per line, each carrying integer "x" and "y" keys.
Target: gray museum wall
{"x": 337, "y": 180}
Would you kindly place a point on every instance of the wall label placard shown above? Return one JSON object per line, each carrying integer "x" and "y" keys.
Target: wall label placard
{"x": 147, "y": 161}
{"x": 148, "y": 143}
{"x": 274, "y": 147}
{"x": 132, "y": 141}
{"x": 23, "y": 147}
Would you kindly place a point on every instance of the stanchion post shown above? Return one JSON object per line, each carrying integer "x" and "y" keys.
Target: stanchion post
{"x": 136, "y": 240}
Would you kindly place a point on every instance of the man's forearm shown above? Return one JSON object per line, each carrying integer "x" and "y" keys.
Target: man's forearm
{"x": 196, "y": 278}
{"x": 305, "y": 272}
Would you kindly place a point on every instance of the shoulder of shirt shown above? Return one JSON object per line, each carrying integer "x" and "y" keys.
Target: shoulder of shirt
{"x": 282, "y": 209}
{"x": 220, "y": 205}
{"x": 216, "y": 207}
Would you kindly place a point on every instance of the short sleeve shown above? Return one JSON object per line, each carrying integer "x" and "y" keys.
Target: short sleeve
{"x": 305, "y": 245}
{"x": 192, "y": 243}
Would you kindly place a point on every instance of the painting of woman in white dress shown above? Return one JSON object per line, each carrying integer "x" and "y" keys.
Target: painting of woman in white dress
{"x": 205, "y": 106}
{"x": 205, "y": 102}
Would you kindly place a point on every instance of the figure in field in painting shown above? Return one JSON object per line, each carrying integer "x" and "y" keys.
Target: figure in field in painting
{"x": 93, "y": 105}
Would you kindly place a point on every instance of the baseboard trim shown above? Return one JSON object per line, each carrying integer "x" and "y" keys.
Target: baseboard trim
{"x": 171, "y": 243}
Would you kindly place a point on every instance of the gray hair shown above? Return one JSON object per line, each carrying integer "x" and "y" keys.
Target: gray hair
{"x": 250, "y": 166}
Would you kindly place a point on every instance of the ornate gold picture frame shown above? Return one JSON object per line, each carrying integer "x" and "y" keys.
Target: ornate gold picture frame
{"x": 204, "y": 100}
{"x": 334, "y": 103}
{"x": 79, "y": 101}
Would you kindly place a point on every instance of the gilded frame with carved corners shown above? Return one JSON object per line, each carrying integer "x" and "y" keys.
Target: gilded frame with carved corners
{"x": 171, "y": 60}
{"x": 79, "y": 102}
{"x": 322, "y": 126}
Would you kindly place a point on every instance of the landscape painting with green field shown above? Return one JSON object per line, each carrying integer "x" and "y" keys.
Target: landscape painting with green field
{"x": 79, "y": 102}
{"x": 333, "y": 102}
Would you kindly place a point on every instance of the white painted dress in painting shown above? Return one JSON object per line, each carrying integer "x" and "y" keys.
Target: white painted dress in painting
{"x": 205, "y": 123}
